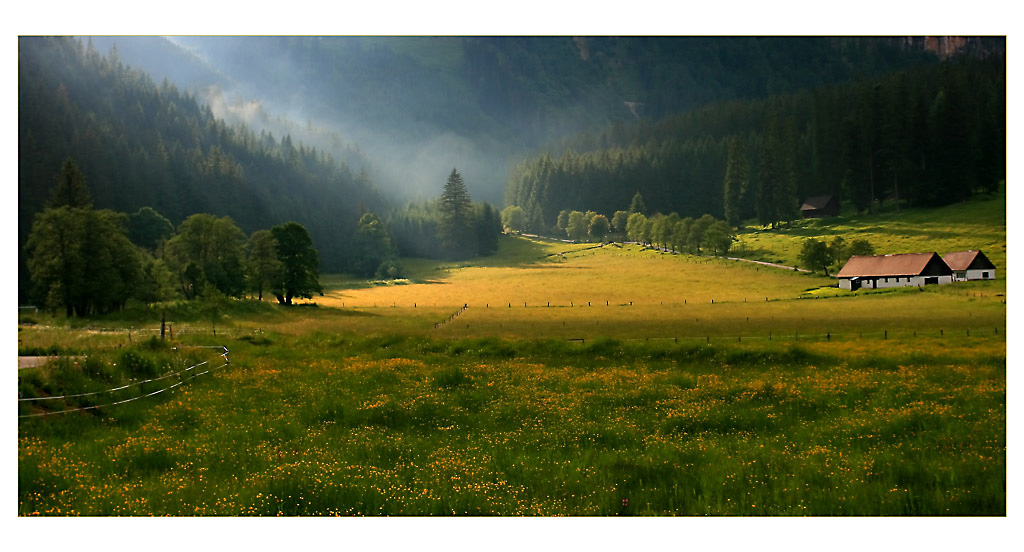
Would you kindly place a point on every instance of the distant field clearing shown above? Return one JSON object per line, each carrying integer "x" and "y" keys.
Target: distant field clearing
{"x": 614, "y": 275}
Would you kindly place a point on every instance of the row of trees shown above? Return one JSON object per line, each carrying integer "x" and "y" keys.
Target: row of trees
{"x": 928, "y": 136}
{"x": 90, "y": 261}
{"x": 704, "y": 234}
{"x": 695, "y": 235}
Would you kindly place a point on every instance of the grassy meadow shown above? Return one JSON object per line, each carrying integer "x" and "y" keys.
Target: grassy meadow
{"x": 979, "y": 223}
{"x": 550, "y": 379}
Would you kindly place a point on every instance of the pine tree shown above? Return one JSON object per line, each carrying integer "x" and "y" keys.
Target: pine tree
{"x": 735, "y": 181}
{"x": 637, "y": 205}
{"x": 455, "y": 231}
{"x": 71, "y": 190}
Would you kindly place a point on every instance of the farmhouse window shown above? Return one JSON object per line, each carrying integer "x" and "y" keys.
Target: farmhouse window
{"x": 984, "y": 275}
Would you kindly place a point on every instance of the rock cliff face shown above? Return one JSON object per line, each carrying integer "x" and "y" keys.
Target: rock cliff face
{"x": 948, "y": 46}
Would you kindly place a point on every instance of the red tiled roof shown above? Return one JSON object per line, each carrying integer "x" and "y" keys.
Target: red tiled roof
{"x": 962, "y": 260}
{"x": 907, "y": 264}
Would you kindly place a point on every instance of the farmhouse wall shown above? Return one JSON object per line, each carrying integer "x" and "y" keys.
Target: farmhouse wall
{"x": 975, "y": 274}
{"x": 881, "y": 282}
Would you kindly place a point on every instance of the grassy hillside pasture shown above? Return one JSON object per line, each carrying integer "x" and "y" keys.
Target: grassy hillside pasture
{"x": 977, "y": 224}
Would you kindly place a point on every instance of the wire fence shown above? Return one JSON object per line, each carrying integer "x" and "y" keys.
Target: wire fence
{"x": 183, "y": 376}
{"x": 452, "y": 317}
{"x": 814, "y": 337}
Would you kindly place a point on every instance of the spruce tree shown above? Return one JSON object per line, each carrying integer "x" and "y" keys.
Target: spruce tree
{"x": 455, "y": 231}
{"x": 735, "y": 181}
{"x": 637, "y": 205}
{"x": 71, "y": 190}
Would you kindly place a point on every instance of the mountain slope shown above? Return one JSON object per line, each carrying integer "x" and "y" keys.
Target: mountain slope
{"x": 141, "y": 144}
{"x": 420, "y": 105}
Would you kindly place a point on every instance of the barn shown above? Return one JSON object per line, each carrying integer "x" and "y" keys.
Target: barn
{"x": 884, "y": 271}
{"x": 819, "y": 206}
{"x": 970, "y": 265}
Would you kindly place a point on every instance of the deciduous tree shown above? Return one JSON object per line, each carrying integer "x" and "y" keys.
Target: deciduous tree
{"x": 815, "y": 255}
{"x": 578, "y": 226}
{"x": 513, "y": 218}
{"x": 264, "y": 268}
{"x": 213, "y": 247}
{"x": 599, "y": 227}
{"x": 300, "y": 263}
{"x": 636, "y": 227}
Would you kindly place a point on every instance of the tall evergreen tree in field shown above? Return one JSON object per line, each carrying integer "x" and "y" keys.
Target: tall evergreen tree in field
{"x": 456, "y": 229}
{"x": 736, "y": 178}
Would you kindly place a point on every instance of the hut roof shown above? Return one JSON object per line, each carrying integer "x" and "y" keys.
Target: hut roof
{"x": 964, "y": 260}
{"x": 907, "y": 264}
{"x": 816, "y": 202}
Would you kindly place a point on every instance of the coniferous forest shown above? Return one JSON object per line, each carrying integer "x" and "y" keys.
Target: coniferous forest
{"x": 143, "y": 144}
{"x": 928, "y": 136}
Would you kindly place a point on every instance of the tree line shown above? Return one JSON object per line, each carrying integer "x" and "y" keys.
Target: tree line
{"x": 701, "y": 235}
{"x": 927, "y": 136}
{"x": 87, "y": 261}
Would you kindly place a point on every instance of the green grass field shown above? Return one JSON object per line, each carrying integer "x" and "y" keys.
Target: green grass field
{"x": 977, "y": 224}
{"x": 550, "y": 379}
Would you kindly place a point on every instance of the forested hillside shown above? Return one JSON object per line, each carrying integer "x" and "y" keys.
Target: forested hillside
{"x": 420, "y": 105}
{"x": 931, "y": 135}
{"x": 142, "y": 144}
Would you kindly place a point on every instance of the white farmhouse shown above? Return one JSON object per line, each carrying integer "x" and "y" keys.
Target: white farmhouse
{"x": 884, "y": 271}
{"x": 970, "y": 265}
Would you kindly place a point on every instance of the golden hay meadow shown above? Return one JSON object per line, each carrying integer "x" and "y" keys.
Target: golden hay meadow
{"x": 397, "y": 400}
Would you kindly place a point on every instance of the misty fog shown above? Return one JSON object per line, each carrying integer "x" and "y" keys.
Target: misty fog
{"x": 406, "y": 157}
